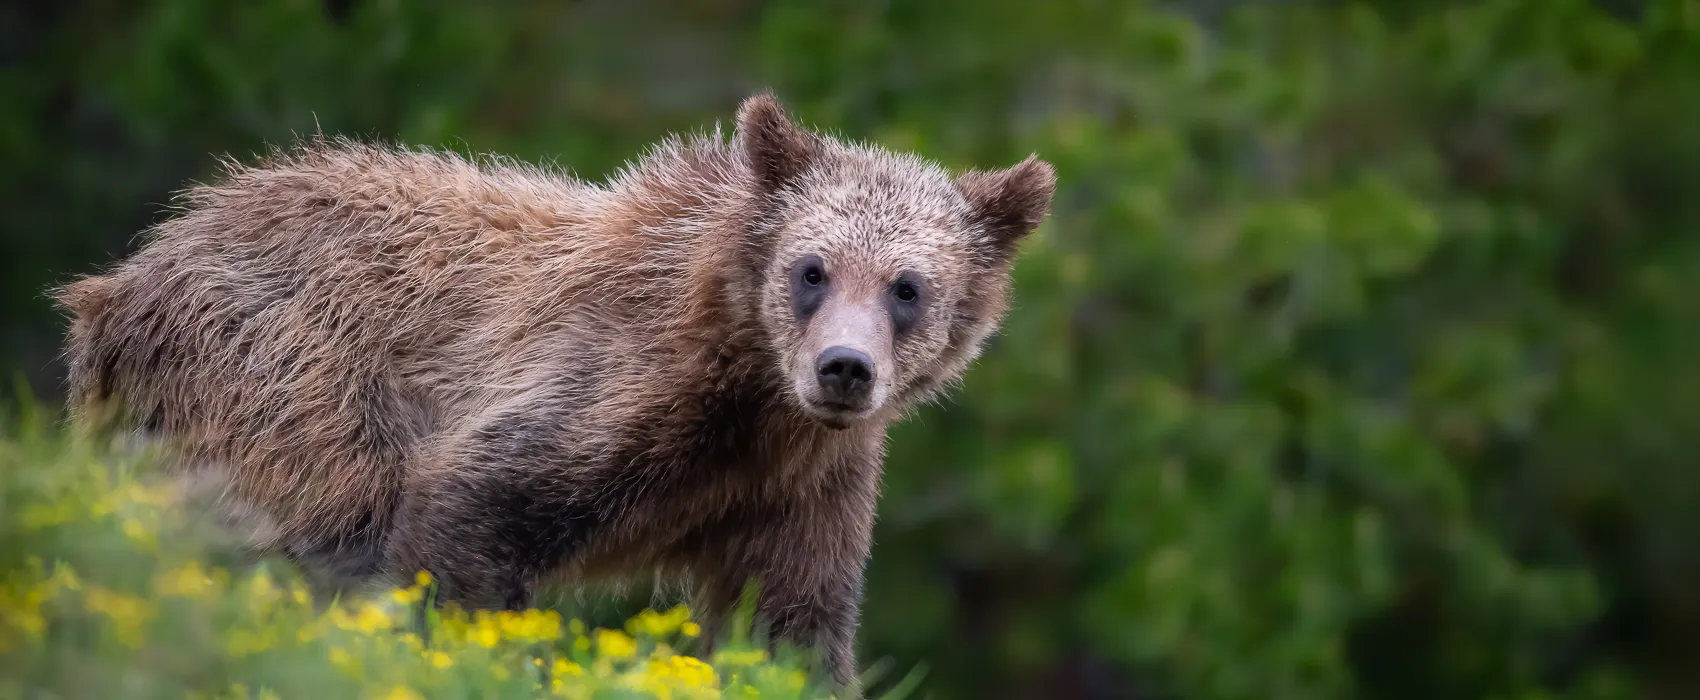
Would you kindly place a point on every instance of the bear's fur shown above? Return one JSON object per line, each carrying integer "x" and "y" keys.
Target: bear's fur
{"x": 507, "y": 377}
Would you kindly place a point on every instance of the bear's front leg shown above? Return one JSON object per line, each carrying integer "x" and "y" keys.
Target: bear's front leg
{"x": 485, "y": 541}
{"x": 497, "y": 511}
{"x": 807, "y": 558}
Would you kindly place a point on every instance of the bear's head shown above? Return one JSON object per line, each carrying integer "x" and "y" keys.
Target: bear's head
{"x": 883, "y": 273}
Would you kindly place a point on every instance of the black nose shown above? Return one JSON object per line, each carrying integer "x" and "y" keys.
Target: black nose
{"x": 846, "y": 376}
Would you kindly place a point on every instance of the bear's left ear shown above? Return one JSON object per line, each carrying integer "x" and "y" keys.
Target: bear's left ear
{"x": 1009, "y": 204}
{"x": 778, "y": 151}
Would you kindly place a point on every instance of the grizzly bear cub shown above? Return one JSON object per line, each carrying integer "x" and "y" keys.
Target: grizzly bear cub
{"x": 507, "y": 377}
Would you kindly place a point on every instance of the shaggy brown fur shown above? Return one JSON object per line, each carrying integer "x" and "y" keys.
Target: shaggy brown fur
{"x": 508, "y": 377}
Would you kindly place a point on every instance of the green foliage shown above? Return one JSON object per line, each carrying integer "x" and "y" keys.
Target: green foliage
{"x": 1286, "y": 364}
{"x": 1355, "y": 362}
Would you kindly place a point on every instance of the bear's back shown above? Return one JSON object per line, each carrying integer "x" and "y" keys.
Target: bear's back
{"x": 299, "y": 321}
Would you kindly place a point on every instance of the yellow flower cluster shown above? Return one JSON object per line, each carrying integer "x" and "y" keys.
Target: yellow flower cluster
{"x": 160, "y": 598}
{"x": 21, "y": 605}
{"x": 191, "y": 581}
{"x": 684, "y": 671}
{"x": 491, "y": 629}
{"x": 657, "y": 624}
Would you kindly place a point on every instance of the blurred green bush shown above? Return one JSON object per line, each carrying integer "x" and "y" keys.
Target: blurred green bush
{"x": 1357, "y": 360}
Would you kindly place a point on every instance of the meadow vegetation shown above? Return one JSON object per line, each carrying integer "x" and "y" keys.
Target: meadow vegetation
{"x": 113, "y": 586}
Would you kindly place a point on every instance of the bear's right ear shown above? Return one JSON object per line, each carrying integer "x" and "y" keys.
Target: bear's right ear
{"x": 778, "y": 151}
{"x": 1009, "y": 204}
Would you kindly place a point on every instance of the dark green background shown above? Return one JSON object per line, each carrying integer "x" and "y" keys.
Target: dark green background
{"x": 1358, "y": 360}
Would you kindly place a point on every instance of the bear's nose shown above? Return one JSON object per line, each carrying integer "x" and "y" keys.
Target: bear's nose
{"x": 846, "y": 376}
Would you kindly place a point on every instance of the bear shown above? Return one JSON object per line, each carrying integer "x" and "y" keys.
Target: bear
{"x": 406, "y": 359}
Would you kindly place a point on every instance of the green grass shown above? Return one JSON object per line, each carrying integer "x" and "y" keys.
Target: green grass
{"x": 111, "y": 588}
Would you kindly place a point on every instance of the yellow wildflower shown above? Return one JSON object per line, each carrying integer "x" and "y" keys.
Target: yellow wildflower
{"x": 24, "y": 612}
{"x": 402, "y": 692}
{"x": 685, "y": 671}
{"x": 422, "y": 578}
{"x": 262, "y": 593}
{"x": 564, "y": 667}
{"x": 614, "y": 644}
{"x": 690, "y": 629}
{"x": 510, "y": 623}
{"x": 372, "y": 619}
{"x": 310, "y": 631}
{"x": 127, "y": 613}
{"x": 487, "y": 636}
{"x": 453, "y": 626}
{"x": 531, "y": 625}
{"x": 139, "y": 533}
{"x": 440, "y": 660}
{"x": 104, "y": 506}
{"x": 188, "y": 581}
{"x": 30, "y": 621}
{"x": 658, "y": 624}
{"x": 340, "y": 617}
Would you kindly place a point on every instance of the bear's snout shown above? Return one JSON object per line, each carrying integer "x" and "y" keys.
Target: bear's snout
{"x": 846, "y": 377}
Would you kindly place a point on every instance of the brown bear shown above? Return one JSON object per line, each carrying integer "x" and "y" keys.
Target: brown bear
{"x": 408, "y": 360}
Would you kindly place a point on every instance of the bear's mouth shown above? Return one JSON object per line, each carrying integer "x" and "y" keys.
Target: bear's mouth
{"x": 837, "y": 415}
{"x": 831, "y": 409}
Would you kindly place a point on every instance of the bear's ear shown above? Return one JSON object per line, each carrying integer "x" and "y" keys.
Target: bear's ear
{"x": 778, "y": 151}
{"x": 1009, "y": 204}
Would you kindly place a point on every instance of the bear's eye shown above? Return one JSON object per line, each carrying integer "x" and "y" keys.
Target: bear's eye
{"x": 906, "y": 292}
{"x": 907, "y": 302}
{"x": 808, "y": 286}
